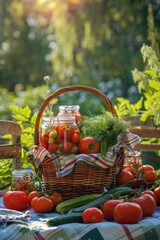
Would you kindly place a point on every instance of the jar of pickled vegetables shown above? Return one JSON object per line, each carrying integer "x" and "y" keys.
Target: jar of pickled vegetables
{"x": 132, "y": 162}
{"x": 72, "y": 110}
{"x": 23, "y": 179}
{"x": 45, "y": 129}
{"x": 64, "y": 136}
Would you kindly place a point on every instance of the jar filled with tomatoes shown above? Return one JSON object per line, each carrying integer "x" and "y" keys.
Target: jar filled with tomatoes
{"x": 23, "y": 179}
{"x": 68, "y": 135}
{"x": 72, "y": 110}
{"x": 48, "y": 124}
{"x": 60, "y": 134}
{"x": 132, "y": 161}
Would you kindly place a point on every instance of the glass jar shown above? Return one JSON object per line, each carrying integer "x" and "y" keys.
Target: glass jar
{"x": 68, "y": 134}
{"x": 60, "y": 134}
{"x": 47, "y": 125}
{"x": 133, "y": 162}
{"x": 72, "y": 110}
{"x": 23, "y": 179}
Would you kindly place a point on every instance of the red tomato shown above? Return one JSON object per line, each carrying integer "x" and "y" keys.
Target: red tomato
{"x": 157, "y": 193}
{"x": 52, "y": 147}
{"x": 147, "y": 203}
{"x": 75, "y": 137}
{"x": 44, "y": 145}
{"x": 130, "y": 169}
{"x": 57, "y": 198}
{"x": 65, "y": 131}
{"x": 66, "y": 147}
{"x": 15, "y": 200}
{"x": 45, "y": 138}
{"x": 148, "y": 173}
{"x": 92, "y": 215}
{"x": 108, "y": 208}
{"x": 150, "y": 192}
{"x": 127, "y": 213}
{"x": 33, "y": 194}
{"x": 78, "y": 117}
{"x": 123, "y": 177}
{"x": 42, "y": 204}
{"x": 88, "y": 145}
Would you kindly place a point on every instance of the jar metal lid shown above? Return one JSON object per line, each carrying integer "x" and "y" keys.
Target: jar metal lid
{"x": 22, "y": 172}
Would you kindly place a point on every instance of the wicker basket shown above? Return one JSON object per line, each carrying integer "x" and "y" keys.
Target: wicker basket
{"x": 84, "y": 178}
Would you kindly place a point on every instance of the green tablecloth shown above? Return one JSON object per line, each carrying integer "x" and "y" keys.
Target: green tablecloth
{"x": 147, "y": 229}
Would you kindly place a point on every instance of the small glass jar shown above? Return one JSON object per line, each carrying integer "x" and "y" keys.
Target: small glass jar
{"x": 72, "y": 110}
{"x": 23, "y": 179}
{"x": 47, "y": 125}
{"x": 133, "y": 162}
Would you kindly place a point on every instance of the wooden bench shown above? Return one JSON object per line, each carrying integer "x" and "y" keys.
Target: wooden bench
{"x": 11, "y": 149}
{"x": 148, "y": 133}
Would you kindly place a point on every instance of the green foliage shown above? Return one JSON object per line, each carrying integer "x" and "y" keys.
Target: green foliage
{"x": 74, "y": 42}
{"x": 5, "y": 173}
{"x": 6, "y": 98}
{"x": 104, "y": 128}
{"x": 148, "y": 82}
{"x": 26, "y": 119}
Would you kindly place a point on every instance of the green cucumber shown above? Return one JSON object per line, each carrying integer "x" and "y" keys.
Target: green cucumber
{"x": 95, "y": 203}
{"x": 66, "y": 205}
{"x": 64, "y": 219}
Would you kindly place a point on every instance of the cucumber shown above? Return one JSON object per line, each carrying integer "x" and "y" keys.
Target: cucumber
{"x": 95, "y": 203}
{"x": 66, "y": 205}
{"x": 64, "y": 219}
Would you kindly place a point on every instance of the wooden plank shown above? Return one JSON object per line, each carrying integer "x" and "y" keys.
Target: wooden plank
{"x": 10, "y": 151}
{"x": 146, "y": 133}
{"x": 151, "y": 147}
{"x": 135, "y": 121}
{"x": 10, "y": 127}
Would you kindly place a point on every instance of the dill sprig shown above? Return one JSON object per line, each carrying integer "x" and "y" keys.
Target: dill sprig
{"x": 104, "y": 128}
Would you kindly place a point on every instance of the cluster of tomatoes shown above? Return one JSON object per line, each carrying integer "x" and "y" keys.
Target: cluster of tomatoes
{"x": 131, "y": 211}
{"x": 65, "y": 138}
{"x": 145, "y": 172}
{"x": 40, "y": 203}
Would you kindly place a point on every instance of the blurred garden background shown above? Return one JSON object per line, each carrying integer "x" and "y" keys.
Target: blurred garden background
{"x": 49, "y": 44}
{"x": 90, "y": 42}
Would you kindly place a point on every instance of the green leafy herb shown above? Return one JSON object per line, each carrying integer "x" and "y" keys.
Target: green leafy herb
{"x": 104, "y": 128}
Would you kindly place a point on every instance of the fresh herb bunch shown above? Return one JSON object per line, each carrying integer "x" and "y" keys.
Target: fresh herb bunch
{"x": 104, "y": 128}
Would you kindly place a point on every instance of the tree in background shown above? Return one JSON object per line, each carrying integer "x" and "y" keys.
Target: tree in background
{"x": 24, "y": 46}
{"x": 92, "y": 42}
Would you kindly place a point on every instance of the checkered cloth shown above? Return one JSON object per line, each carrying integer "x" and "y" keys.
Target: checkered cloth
{"x": 65, "y": 164}
{"x": 147, "y": 229}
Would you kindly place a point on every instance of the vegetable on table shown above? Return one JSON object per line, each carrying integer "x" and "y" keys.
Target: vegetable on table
{"x": 67, "y": 205}
{"x": 15, "y": 200}
{"x": 33, "y": 194}
{"x": 123, "y": 177}
{"x": 148, "y": 173}
{"x": 42, "y": 204}
{"x": 92, "y": 215}
{"x": 157, "y": 193}
{"x": 95, "y": 203}
{"x": 64, "y": 219}
{"x": 108, "y": 208}
{"x": 127, "y": 213}
{"x": 146, "y": 202}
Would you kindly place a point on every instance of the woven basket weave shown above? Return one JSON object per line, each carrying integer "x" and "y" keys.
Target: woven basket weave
{"x": 84, "y": 178}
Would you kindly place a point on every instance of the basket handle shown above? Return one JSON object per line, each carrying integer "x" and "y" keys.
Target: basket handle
{"x": 68, "y": 89}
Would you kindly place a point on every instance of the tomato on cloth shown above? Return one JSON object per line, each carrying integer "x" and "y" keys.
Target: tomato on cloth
{"x": 16, "y": 200}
